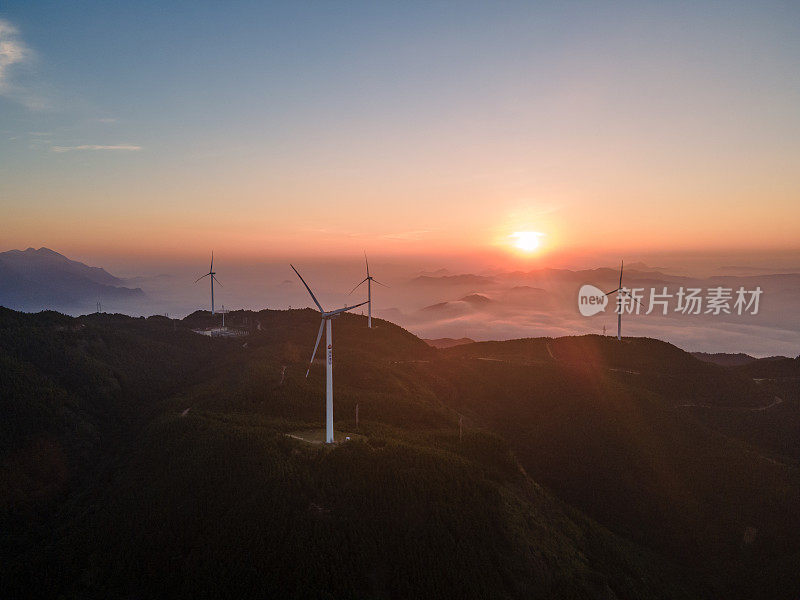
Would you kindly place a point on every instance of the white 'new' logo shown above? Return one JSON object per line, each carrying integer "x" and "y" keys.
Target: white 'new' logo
{"x": 591, "y": 300}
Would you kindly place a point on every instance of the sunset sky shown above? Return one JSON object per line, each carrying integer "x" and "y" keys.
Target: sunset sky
{"x": 406, "y": 128}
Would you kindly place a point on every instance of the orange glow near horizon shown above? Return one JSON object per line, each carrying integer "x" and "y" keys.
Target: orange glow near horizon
{"x": 576, "y": 141}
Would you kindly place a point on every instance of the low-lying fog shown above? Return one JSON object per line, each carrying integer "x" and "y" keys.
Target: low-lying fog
{"x": 500, "y": 305}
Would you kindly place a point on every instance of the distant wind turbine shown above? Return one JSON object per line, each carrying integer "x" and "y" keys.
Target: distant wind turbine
{"x": 369, "y": 279}
{"x": 213, "y": 279}
{"x": 326, "y": 323}
{"x": 625, "y": 292}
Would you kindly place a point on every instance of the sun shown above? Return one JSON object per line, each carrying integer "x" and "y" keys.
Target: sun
{"x": 527, "y": 241}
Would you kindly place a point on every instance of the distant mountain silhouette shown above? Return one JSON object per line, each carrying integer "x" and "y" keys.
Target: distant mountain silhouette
{"x": 436, "y": 273}
{"x": 467, "y": 303}
{"x": 526, "y": 289}
{"x": 466, "y": 279}
{"x": 744, "y": 270}
{"x": 439, "y": 306}
{"x": 641, "y": 266}
{"x": 42, "y": 279}
{"x": 448, "y": 342}
{"x": 525, "y": 294}
{"x": 476, "y": 300}
{"x": 725, "y": 359}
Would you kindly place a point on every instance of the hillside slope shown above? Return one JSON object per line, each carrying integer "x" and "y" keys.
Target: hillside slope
{"x": 640, "y": 436}
{"x": 147, "y": 460}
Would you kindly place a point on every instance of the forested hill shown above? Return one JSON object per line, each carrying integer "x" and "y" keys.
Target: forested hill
{"x": 140, "y": 459}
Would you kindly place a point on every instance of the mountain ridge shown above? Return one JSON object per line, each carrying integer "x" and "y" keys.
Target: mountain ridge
{"x": 41, "y": 279}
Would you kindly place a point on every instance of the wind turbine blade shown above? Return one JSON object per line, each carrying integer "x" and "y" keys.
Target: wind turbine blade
{"x": 379, "y": 283}
{"x": 214, "y": 277}
{"x": 316, "y": 345}
{"x": 612, "y": 291}
{"x": 211, "y": 268}
{"x": 313, "y": 297}
{"x": 355, "y": 305}
{"x": 355, "y": 288}
{"x": 620, "y": 272}
{"x": 346, "y": 308}
{"x": 199, "y": 278}
{"x": 627, "y": 293}
{"x": 367, "y": 262}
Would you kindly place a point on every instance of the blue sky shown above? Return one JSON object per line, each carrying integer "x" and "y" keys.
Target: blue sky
{"x": 425, "y": 122}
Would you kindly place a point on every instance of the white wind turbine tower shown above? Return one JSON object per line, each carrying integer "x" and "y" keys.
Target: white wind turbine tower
{"x": 369, "y": 279}
{"x": 626, "y": 292}
{"x": 213, "y": 279}
{"x": 326, "y": 323}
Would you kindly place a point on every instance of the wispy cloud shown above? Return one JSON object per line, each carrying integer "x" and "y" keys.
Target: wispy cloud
{"x": 12, "y": 51}
{"x": 121, "y": 147}
{"x": 15, "y": 54}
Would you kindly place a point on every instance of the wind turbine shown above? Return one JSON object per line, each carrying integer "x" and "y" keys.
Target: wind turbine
{"x": 626, "y": 292}
{"x": 369, "y": 279}
{"x": 326, "y": 323}
{"x": 213, "y": 279}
